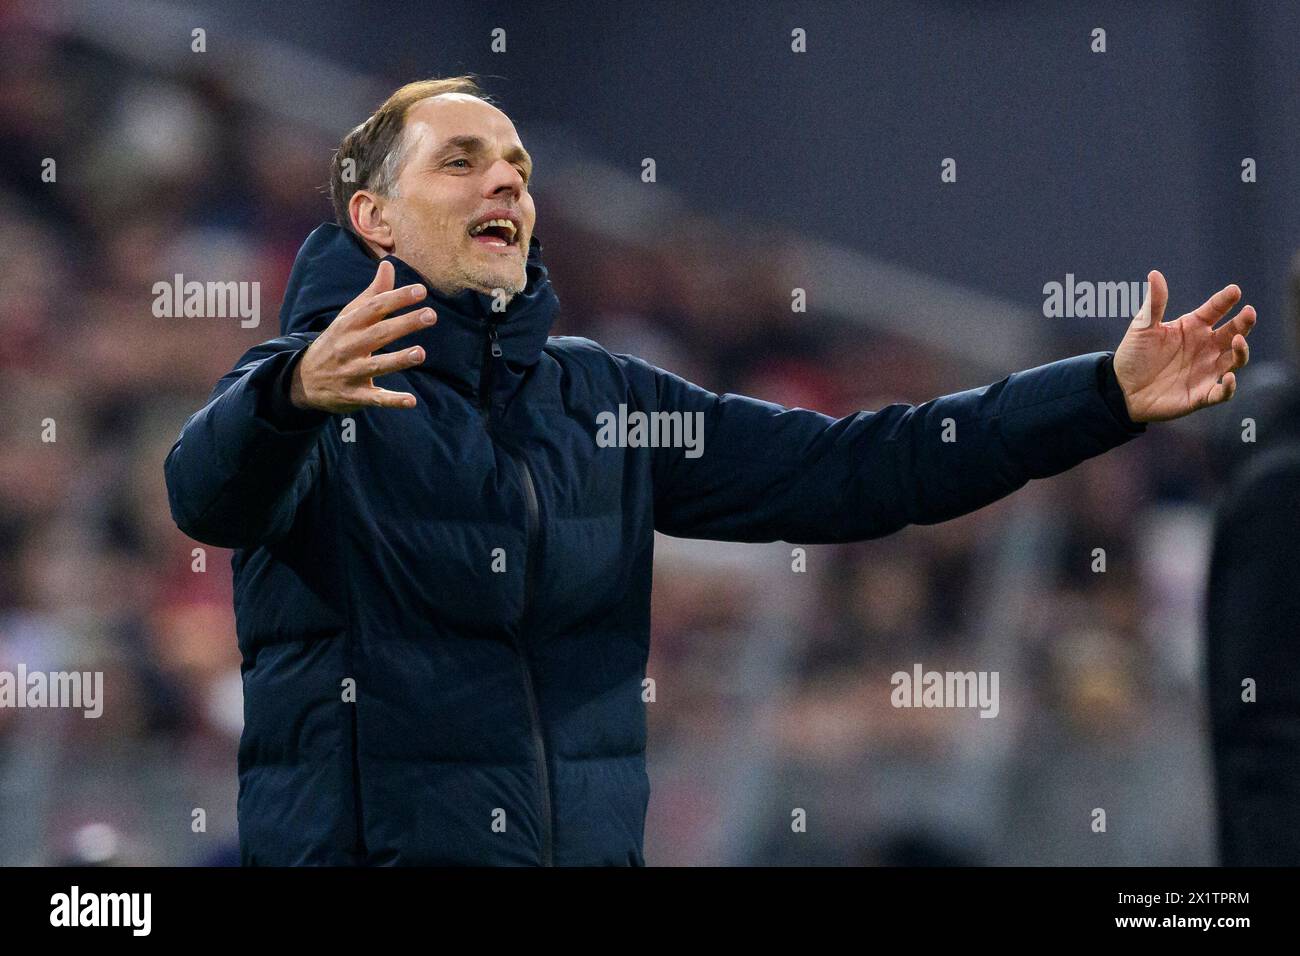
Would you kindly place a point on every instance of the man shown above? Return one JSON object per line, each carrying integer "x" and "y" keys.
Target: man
{"x": 442, "y": 564}
{"x": 1252, "y": 603}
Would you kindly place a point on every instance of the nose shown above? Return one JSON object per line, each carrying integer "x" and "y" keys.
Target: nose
{"x": 503, "y": 176}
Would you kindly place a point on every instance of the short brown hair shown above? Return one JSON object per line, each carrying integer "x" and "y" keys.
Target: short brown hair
{"x": 375, "y": 148}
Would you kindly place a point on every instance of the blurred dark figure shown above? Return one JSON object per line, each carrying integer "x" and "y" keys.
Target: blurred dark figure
{"x": 920, "y": 847}
{"x": 1252, "y": 607}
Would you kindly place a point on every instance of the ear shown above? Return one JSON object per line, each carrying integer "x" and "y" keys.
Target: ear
{"x": 369, "y": 215}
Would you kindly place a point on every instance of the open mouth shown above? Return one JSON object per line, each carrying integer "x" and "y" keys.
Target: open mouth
{"x": 495, "y": 234}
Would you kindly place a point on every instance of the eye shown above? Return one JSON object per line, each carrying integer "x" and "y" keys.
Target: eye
{"x": 462, "y": 160}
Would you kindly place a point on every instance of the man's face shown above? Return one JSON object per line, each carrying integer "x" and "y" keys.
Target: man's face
{"x": 463, "y": 163}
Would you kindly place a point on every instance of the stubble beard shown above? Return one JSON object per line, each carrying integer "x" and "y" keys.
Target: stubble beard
{"x": 488, "y": 280}
{"x": 466, "y": 274}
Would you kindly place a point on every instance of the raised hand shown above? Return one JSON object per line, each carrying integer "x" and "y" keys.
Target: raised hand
{"x": 1171, "y": 369}
{"x": 337, "y": 372}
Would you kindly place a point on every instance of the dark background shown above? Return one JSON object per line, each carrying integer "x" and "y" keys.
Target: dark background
{"x": 1104, "y": 165}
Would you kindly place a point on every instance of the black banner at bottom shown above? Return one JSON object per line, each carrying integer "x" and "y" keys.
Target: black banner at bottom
{"x": 329, "y": 906}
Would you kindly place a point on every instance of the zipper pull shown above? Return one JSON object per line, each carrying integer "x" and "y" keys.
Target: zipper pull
{"x": 492, "y": 336}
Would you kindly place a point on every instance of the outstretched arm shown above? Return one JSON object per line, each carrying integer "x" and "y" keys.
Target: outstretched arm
{"x": 769, "y": 473}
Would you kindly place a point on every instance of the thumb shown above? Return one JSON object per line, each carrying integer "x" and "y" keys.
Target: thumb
{"x": 1153, "y": 306}
{"x": 384, "y": 276}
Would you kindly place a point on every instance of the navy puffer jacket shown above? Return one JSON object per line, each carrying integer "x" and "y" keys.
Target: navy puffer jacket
{"x": 444, "y": 611}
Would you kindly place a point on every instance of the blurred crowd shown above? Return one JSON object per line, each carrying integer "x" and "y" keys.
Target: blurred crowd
{"x": 773, "y": 684}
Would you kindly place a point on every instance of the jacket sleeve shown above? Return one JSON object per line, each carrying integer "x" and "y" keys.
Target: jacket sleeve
{"x": 769, "y": 473}
{"x": 246, "y": 459}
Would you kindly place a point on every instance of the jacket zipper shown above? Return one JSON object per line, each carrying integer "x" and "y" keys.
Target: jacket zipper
{"x": 530, "y": 536}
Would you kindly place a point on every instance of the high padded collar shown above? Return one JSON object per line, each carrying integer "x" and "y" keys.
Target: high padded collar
{"x": 333, "y": 267}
